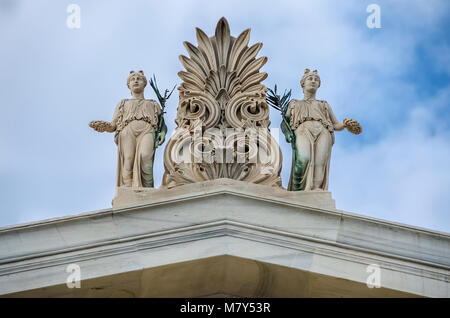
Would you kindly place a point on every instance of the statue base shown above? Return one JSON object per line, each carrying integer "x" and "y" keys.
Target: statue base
{"x": 131, "y": 196}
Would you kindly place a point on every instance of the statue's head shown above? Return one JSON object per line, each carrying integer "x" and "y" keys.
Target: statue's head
{"x": 136, "y": 81}
{"x": 310, "y": 81}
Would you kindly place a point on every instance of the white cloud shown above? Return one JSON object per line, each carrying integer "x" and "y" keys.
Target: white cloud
{"x": 55, "y": 80}
{"x": 402, "y": 177}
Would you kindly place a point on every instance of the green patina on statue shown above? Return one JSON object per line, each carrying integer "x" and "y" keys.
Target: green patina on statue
{"x": 309, "y": 126}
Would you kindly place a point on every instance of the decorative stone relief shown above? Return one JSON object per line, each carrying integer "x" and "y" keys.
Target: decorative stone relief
{"x": 222, "y": 116}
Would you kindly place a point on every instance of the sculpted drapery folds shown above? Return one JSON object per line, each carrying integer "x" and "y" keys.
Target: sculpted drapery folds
{"x": 222, "y": 105}
{"x": 135, "y": 123}
{"x": 312, "y": 124}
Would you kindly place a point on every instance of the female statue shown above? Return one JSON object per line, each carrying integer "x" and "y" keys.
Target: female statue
{"x": 137, "y": 134}
{"x": 312, "y": 125}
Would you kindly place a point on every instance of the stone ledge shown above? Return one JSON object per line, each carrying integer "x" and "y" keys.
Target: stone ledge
{"x": 216, "y": 276}
{"x": 226, "y": 240}
{"x": 126, "y": 196}
{"x": 224, "y": 218}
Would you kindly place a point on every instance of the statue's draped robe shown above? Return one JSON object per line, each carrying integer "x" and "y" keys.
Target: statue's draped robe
{"x": 311, "y": 119}
{"x": 134, "y": 119}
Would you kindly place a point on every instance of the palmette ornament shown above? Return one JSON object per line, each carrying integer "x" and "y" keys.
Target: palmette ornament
{"x": 222, "y": 107}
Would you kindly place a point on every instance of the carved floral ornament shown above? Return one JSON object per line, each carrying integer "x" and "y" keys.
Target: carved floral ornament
{"x": 222, "y": 102}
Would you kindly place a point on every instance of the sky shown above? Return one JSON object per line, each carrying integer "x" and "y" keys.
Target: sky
{"x": 394, "y": 80}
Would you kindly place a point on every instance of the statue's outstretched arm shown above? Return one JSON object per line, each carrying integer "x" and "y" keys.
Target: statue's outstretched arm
{"x": 104, "y": 126}
{"x": 336, "y": 124}
{"x": 339, "y": 126}
{"x": 352, "y": 125}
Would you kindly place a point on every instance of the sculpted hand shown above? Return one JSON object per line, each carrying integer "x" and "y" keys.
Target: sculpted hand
{"x": 352, "y": 126}
{"x": 102, "y": 126}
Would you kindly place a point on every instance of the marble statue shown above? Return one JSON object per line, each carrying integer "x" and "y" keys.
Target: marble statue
{"x": 312, "y": 124}
{"x": 139, "y": 130}
{"x": 222, "y": 95}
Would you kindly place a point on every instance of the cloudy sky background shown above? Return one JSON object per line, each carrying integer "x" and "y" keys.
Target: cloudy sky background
{"x": 393, "y": 80}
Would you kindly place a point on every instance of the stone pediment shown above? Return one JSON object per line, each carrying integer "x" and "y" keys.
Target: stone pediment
{"x": 233, "y": 224}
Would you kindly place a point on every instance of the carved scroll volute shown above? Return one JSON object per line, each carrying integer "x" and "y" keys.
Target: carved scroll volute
{"x": 221, "y": 89}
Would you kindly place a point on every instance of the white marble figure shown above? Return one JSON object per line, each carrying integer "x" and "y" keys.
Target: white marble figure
{"x": 313, "y": 124}
{"x": 135, "y": 123}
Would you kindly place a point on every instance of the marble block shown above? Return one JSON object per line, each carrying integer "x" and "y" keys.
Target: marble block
{"x": 131, "y": 196}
